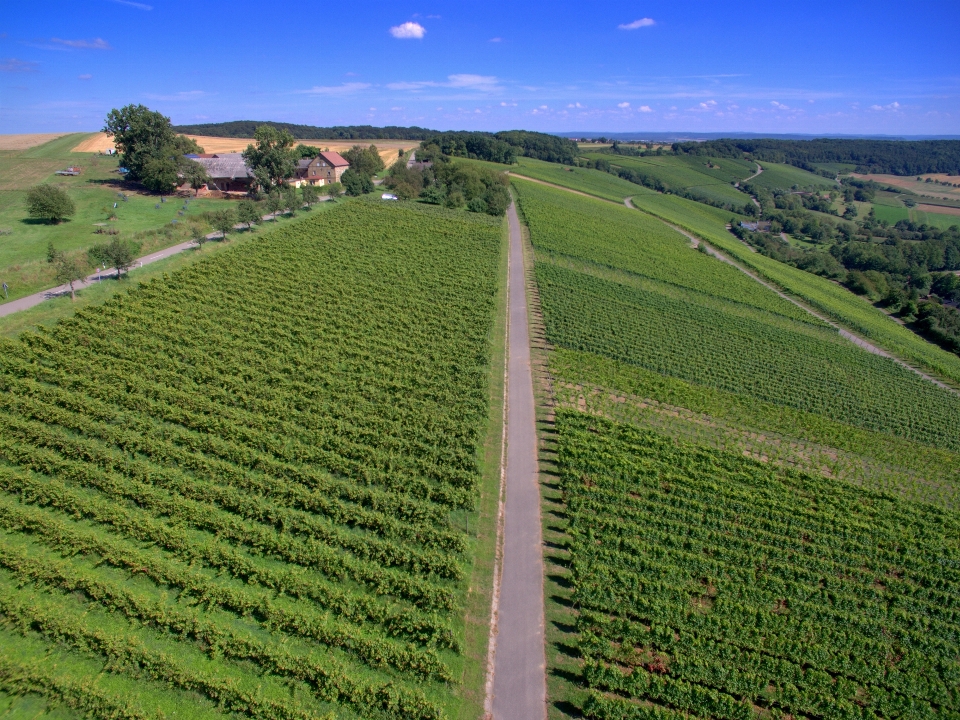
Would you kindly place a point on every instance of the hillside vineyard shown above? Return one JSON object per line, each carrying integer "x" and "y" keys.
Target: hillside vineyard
{"x": 717, "y": 559}
{"x": 229, "y": 491}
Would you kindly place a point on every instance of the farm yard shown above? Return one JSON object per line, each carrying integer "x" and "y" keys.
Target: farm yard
{"x": 267, "y": 520}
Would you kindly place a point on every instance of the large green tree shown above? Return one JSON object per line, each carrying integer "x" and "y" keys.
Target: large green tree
{"x": 117, "y": 253}
{"x": 366, "y": 161}
{"x": 273, "y": 158}
{"x": 149, "y": 147}
{"x": 50, "y": 203}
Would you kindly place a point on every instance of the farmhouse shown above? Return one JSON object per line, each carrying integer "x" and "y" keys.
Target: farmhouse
{"x": 325, "y": 168}
{"x": 227, "y": 171}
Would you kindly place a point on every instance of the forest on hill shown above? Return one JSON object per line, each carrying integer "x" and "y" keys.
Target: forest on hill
{"x": 246, "y": 128}
{"x": 893, "y": 157}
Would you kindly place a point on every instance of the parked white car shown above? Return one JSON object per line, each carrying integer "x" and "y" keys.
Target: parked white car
{"x": 388, "y": 196}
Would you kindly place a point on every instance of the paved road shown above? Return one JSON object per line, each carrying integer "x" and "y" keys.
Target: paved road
{"x": 412, "y": 159}
{"x": 519, "y": 668}
{"x": 29, "y": 301}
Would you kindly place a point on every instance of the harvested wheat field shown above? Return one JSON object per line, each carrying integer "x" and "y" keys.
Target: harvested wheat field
{"x": 100, "y": 142}
{"x": 28, "y": 140}
{"x": 910, "y": 182}
{"x": 939, "y": 209}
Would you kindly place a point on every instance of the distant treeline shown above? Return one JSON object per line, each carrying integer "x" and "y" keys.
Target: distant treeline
{"x": 504, "y": 147}
{"x": 246, "y": 128}
{"x": 893, "y": 157}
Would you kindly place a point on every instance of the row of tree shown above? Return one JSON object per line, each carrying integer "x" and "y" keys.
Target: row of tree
{"x": 246, "y": 128}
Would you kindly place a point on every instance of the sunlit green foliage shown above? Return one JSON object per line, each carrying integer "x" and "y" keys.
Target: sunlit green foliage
{"x": 712, "y": 585}
{"x": 234, "y": 485}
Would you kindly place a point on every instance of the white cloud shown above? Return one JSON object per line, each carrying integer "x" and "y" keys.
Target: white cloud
{"x": 576, "y": 105}
{"x": 95, "y": 44}
{"x": 462, "y": 81}
{"x": 12, "y": 65}
{"x": 85, "y": 77}
{"x": 137, "y": 5}
{"x": 779, "y": 106}
{"x": 544, "y": 107}
{"x": 623, "y": 105}
{"x": 496, "y": 40}
{"x": 408, "y": 31}
{"x": 894, "y": 106}
{"x": 506, "y": 104}
{"x": 343, "y": 89}
{"x": 475, "y": 82}
{"x": 645, "y": 109}
{"x": 637, "y": 24}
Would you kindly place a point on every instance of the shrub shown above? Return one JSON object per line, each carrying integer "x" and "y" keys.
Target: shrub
{"x": 50, "y": 203}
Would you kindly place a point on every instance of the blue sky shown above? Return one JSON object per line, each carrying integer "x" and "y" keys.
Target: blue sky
{"x": 810, "y": 67}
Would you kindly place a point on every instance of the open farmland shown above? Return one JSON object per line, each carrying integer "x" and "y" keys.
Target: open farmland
{"x": 591, "y": 182}
{"x": 852, "y": 311}
{"x": 732, "y": 333}
{"x": 710, "y": 179}
{"x": 100, "y": 142}
{"x": 752, "y": 591}
{"x": 29, "y": 140}
{"x": 139, "y": 215}
{"x": 239, "y": 490}
{"x": 778, "y": 175}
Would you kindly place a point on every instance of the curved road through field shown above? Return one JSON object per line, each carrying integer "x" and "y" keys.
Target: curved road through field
{"x": 518, "y": 690}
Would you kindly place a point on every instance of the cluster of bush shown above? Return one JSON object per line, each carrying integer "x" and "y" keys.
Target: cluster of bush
{"x": 440, "y": 181}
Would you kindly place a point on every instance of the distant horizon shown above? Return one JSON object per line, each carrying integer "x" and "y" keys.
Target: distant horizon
{"x": 853, "y": 68}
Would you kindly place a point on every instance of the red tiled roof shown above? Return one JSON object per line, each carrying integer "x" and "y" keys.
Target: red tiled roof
{"x": 334, "y": 159}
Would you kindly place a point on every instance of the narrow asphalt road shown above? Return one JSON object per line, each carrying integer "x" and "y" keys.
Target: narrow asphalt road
{"x": 28, "y": 301}
{"x": 519, "y": 665}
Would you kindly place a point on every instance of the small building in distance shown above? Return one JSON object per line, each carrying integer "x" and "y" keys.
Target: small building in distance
{"x": 761, "y": 226}
{"x": 324, "y": 169}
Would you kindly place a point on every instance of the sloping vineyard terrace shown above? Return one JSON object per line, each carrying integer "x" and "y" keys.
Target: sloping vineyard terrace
{"x": 235, "y": 486}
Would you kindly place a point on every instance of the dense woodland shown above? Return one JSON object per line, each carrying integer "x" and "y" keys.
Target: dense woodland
{"x": 505, "y": 147}
{"x": 893, "y": 157}
{"x": 246, "y": 128}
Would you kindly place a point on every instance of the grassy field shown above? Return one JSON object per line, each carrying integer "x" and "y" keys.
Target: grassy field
{"x": 270, "y": 519}
{"x": 776, "y": 175}
{"x": 710, "y": 178}
{"x": 721, "y": 479}
{"x": 848, "y": 309}
{"x": 591, "y": 182}
{"x": 23, "y": 263}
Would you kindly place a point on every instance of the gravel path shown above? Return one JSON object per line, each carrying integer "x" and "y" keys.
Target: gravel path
{"x": 519, "y": 662}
